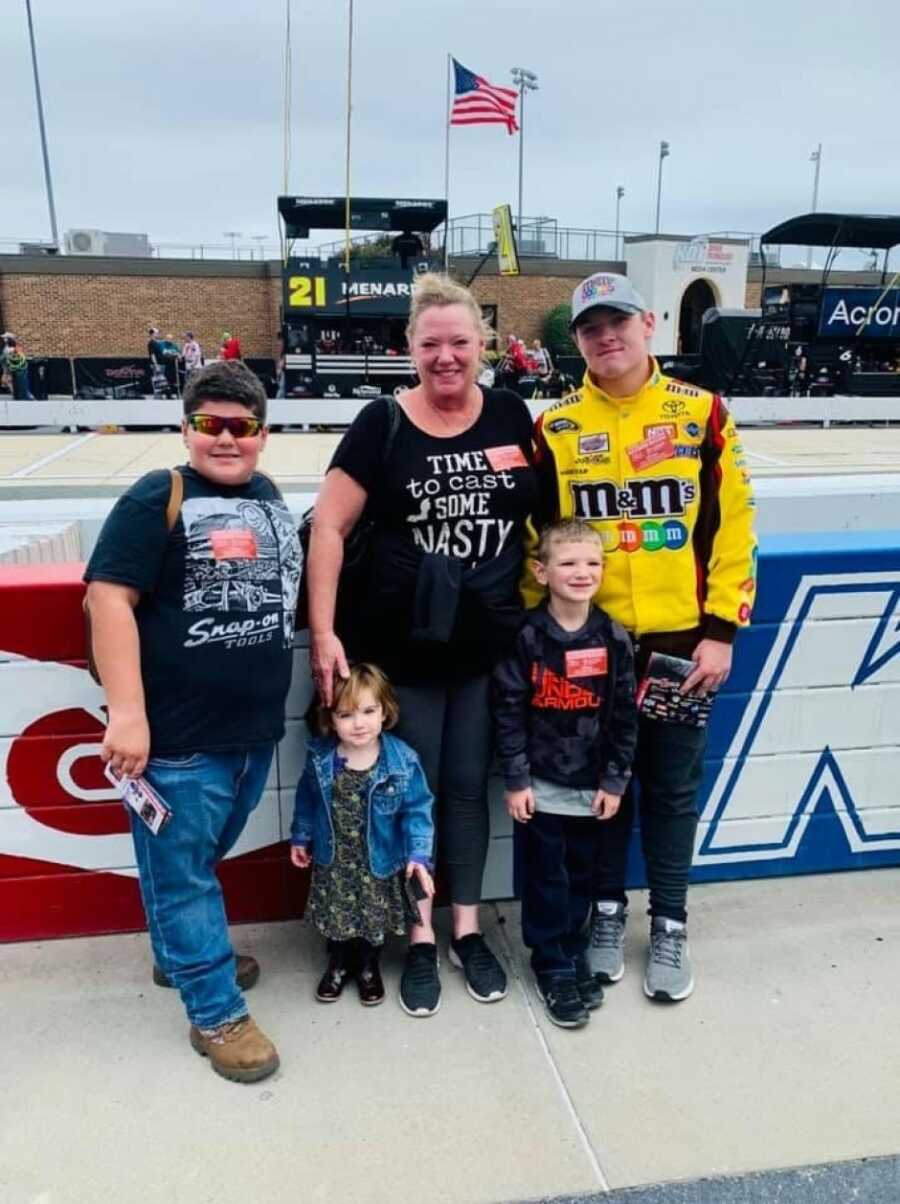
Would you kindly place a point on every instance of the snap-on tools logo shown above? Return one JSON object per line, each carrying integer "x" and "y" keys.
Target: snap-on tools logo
{"x": 636, "y": 498}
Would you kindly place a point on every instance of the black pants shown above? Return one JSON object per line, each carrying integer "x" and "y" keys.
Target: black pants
{"x": 669, "y": 768}
{"x": 353, "y": 953}
{"x": 450, "y": 729}
{"x": 559, "y": 855}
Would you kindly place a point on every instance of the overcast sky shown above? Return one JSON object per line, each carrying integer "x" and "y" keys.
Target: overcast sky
{"x": 166, "y": 117}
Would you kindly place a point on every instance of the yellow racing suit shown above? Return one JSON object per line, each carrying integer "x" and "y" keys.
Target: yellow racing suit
{"x": 662, "y": 477}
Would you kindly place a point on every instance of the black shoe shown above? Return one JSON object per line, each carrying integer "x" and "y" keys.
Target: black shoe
{"x": 247, "y": 973}
{"x": 587, "y": 984}
{"x": 561, "y": 1000}
{"x": 420, "y": 987}
{"x": 333, "y": 981}
{"x": 485, "y": 977}
{"x": 369, "y": 983}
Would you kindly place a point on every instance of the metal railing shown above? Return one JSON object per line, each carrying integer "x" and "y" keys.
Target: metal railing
{"x": 473, "y": 234}
{"x": 257, "y": 251}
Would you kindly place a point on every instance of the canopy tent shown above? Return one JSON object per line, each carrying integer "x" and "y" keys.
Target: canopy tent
{"x": 866, "y": 231}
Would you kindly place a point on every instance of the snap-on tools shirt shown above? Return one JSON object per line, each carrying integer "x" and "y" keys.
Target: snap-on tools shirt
{"x": 217, "y": 607}
{"x": 450, "y": 519}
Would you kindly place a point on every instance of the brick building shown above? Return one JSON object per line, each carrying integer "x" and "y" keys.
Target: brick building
{"x": 72, "y": 306}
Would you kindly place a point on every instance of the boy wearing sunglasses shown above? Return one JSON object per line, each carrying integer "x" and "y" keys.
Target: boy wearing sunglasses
{"x": 192, "y": 625}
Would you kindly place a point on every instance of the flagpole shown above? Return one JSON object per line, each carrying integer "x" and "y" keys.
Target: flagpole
{"x": 447, "y": 164}
{"x": 349, "y": 113}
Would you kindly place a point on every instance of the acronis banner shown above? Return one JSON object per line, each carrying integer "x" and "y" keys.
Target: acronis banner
{"x": 850, "y": 313}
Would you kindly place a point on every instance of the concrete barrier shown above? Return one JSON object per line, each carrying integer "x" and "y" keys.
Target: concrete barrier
{"x": 327, "y": 411}
{"x": 801, "y": 772}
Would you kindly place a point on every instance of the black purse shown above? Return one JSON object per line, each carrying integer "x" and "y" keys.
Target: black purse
{"x": 358, "y": 546}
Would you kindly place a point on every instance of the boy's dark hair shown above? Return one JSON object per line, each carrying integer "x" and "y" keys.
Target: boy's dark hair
{"x": 565, "y": 530}
{"x": 348, "y": 689}
{"x": 228, "y": 380}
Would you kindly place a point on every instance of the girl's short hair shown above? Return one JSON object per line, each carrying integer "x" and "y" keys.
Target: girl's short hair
{"x": 431, "y": 289}
{"x": 347, "y": 691}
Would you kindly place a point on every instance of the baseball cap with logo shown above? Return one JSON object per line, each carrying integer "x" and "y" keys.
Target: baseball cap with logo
{"x": 607, "y": 290}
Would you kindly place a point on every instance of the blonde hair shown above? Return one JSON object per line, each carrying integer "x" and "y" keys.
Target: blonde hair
{"x": 567, "y": 530}
{"x": 347, "y": 691}
{"x": 434, "y": 289}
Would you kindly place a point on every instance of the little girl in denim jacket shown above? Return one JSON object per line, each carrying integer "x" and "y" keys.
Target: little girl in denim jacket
{"x": 363, "y": 820}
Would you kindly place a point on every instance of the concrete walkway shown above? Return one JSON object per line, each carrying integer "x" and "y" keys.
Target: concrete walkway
{"x": 787, "y": 1055}
{"x": 98, "y": 464}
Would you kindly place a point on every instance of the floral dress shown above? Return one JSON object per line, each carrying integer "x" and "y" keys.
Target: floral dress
{"x": 346, "y": 901}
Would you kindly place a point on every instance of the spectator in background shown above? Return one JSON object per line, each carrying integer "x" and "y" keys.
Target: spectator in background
{"x": 231, "y": 346}
{"x": 158, "y": 381}
{"x": 541, "y": 364}
{"x": 193, "y": 354}
{"x": 171, "y": 354}
{"x": 14, "y": 364}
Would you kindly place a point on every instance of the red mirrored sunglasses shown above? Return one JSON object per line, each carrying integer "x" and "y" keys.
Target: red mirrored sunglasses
{"x": 214, "y": 424}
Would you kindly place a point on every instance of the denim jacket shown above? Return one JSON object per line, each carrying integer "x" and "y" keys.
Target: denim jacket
{"x": 400, "y": 827}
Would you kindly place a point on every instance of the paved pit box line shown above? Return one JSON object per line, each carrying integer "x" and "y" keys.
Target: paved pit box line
{"x": 568, "y": 1102}
{"x": 864, "y": 1181}
{"x": 28, "y": 469}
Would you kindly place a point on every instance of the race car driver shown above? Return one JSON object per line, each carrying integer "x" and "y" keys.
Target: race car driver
{"x": 656, "y": 466}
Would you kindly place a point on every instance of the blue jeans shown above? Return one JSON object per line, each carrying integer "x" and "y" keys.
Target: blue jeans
{"x": 211, "y": 796}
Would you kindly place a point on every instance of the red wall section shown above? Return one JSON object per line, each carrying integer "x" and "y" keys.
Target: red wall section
{"x": 64, "y": 852}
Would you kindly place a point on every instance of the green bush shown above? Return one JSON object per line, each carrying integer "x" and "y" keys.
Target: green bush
{"x": 556, "y": 332}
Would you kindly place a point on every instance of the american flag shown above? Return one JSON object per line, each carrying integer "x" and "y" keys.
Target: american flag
{"x": 476, "y": 102}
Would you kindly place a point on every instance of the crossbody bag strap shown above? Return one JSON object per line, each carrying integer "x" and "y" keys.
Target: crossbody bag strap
{"x": 176, "y": 497}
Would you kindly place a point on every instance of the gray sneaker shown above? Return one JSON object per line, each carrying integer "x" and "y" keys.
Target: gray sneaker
{"x": 669, "y": 976}
{"x": 606, "y": 951}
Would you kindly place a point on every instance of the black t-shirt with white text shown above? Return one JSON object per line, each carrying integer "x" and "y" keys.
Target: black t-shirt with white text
{"x": 217, "y": 607}
{"x": 465, "y": 497}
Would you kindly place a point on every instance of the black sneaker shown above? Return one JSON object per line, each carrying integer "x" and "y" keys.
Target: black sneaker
{"x": 485, "y": 977}
{"x": 420, "y": 987}
{"x": 587, "y": 984}
{"x": 561, "y": 1000}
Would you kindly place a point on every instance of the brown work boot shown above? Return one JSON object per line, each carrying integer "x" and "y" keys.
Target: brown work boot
{"x": 247, "y": 973}
{"x": 238, "y": 1051}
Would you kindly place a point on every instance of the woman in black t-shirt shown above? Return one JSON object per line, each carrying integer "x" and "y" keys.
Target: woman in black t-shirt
{"x": 450, "y": 486}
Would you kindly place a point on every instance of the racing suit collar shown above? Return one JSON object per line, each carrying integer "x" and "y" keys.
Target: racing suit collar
{"x": 593, "y": 390}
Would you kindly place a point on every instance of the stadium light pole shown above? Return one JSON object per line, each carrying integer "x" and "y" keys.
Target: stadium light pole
{"x": 40, "y": 110}
{"x": 815, "y": 157}
{"x": 663, "y": 154}
{"x": 620, "y": 192}
{"x": 525, "y": 81}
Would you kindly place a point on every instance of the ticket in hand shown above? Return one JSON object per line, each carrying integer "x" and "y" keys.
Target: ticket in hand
{"x": 139, "y": 795}
{"x": 659, "y": 693}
